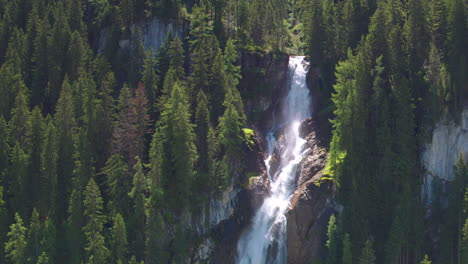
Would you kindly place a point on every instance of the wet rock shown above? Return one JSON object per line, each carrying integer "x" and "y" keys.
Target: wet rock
{"x": 312, "y": 203}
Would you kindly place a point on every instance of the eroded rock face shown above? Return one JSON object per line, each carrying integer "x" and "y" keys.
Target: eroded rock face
{"x": 448, "y": 142}
{"x": 154, "y": 33}
{"x": 312, "y": 203}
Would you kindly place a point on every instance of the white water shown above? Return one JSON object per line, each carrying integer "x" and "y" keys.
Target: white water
{"x": 265, "y": 240}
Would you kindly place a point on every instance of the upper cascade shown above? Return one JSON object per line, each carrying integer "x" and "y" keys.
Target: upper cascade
{"x": 265, "y": 240}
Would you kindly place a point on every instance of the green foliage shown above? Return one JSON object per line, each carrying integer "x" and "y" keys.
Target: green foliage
{"x": 367, "y": 255}
{"x": 426, "y": 260}
{"x": 15, "y": 248}
{"x": 119, "y": 240}
{"x": 96, "y": 250}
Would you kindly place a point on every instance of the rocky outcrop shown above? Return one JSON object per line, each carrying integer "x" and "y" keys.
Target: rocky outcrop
{"x": 312, "y": 203}
{"x": 263, "y": 84}
{"x": 218, "y": 223}
{"x": 449, "y": 141}
{"x": 154, "y": 33}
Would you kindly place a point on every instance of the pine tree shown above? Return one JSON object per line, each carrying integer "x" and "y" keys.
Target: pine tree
{"x": 155, "y": 251}
{"x": 48, "y": 186}
{"x": 19, "y": 122}
{"x": 149, "y": 77}
{"x": 231, "y": 135}
{"x": 138, "y": 216}
{"x": 142, "y": 120}
{"x": 75, "y": 224}
{"x": 118, "y": 184}
{"x": 43, "y": 259}
{"x": 40, "y": 64}
{"x": 15, "y": 177}
{"x": 11, "y": 84}
{"x": 367, "y": 255}
{"x": 119, "y": 240}
{"x": 66, "y": 128}
{"x": 137, "y": 55}
{"x": 200, "y": 45}
{"x": 332, "y": 241}
{"x": 34, "y": 236}
{"x": 4, "y": 220}
{"x": 75, "y": 57}
{"x": 347, "y": 251}
{"x": 202, "y": 122}
{"x": 57, "y": 42}
{"x": 15, "y": 248}
{"x": 35, "y": 146}
{"x": 96, "y": 250}
{"x": 48, "y": 243}
{"x": 426, "y": 260}
{"x": 176, "y": 57}
{"x": 217, "y": 87}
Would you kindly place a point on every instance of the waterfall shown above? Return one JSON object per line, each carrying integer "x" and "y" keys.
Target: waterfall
{"x": 265, "y": 240}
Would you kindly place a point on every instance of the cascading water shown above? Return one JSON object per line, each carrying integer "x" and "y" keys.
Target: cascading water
{"x": 265, "y": 241}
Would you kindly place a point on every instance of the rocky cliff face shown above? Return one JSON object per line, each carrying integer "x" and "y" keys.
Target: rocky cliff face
{"x": 154, "y": 33}
{"x": 449, "y": 141}
{"x": 312, "y": 203}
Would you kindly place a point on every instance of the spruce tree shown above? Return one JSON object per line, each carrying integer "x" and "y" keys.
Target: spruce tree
{"x": 138, "y": 216}
{"x": 347, "y": 250}
{"x": 15, "y": 177}
{"x": 15, "y": 248}
{"x": 19, "y": 122}
{"x": 332, "y": 241}
{"x": 75, "y": 222}
{"x": 149, "y": 77}
{"x": 48, "y": 181}
{"x": 35, "y": 146}
{"x": 96, "y": 250}
{"x": 34, "y": 236}
{"x": 367, "y": 254}
{"x": 4, "y": 220}
{"x": 43, "y": 259}
{"x": 202, "y": 123}
{"x": 118, "y": 183}
{"x": 65, "y": 122}
{"x": 119, "y": 240}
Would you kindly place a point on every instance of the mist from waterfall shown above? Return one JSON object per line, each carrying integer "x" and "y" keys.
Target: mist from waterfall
{"x": 265, "y": 240}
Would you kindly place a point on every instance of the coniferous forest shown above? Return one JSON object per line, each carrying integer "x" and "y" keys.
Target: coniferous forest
{"x": 108, "y": 145}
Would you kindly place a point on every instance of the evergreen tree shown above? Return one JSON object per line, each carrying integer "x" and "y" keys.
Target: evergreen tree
{"x": 66, "y": 128}
{"x": 119, "y": 240}
{"x": 367, "y": 255}
{"x": 75, "y": 224}
{"x": 58, "y": 42}
{"x": 19, "y": 122}
{"x": 48, "y": 181}
{"x": 347, "y": 251}
{"x": 426, "y": 260}
{"x": 176, "y": 57}
{"x": 149, "y": 77}
{"x": 35, "y": 146}
{"x": 15, "y": 177}
{"x": 202, "y": 122}
{"x": 332, "y": 241}
{"x": 40, "y": 64}
{"x": 3, "y": 222}
{"x": 118, "y": 184}
{"x": 43, "y": 259}
{"x": 138, "y": 216}
{"x": 34, "y": 236}
{"x": 96, "y": 250}
{"x": 15, "y": 248}
{"x": 155, "y": 251}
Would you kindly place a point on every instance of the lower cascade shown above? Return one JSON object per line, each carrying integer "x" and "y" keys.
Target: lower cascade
{"x": 265, "y": 240}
